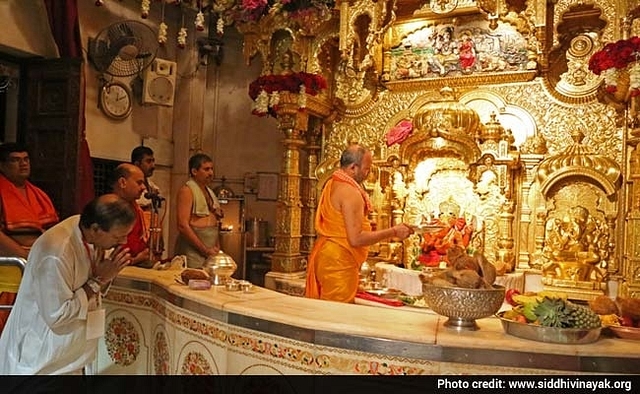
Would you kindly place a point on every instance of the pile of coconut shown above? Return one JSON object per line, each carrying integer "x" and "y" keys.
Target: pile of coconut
{"x": 469, "y": 272}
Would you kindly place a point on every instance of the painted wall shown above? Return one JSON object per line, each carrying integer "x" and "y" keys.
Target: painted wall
{"x": 211, "y": 113}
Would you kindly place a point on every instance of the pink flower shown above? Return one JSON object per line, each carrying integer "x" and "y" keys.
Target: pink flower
{"x": 399, "y": 132}
{"x": 253, "y": 4}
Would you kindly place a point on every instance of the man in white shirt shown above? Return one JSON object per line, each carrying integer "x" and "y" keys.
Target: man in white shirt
{"x": 57, "y": 318}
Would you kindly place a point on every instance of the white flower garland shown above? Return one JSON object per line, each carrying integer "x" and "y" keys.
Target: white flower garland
{"x": 302, "y": 98}
{"x": 261, "y": 104}
{"x": 634, "y": 76}
{"x": 162, "y": 33}
{"x": 182, "y": 37}
{"x": 220, "y": 26}
{"x": 144, "y": 9}
{"x": 610, "y": 76}
{"x": 199, "y": 22}
{"x": 264, "y": 101}
{"x": 274, "y": 99}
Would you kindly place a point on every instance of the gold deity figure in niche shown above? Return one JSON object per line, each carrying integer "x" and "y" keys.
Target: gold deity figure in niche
{"x": 574, "y": 247}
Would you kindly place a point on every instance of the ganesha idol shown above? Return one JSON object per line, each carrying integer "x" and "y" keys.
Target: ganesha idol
{"x": 452, "y": 229}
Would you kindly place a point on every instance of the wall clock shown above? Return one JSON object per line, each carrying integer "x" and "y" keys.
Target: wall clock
{"x": 115, "y": 100}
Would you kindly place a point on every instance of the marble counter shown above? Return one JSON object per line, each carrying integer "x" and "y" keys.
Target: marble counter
{"x": 269, "y": 332}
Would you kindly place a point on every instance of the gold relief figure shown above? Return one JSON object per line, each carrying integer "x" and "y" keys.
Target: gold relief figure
{"x": 573, "y": 247}
{"x": 488, "y": 208}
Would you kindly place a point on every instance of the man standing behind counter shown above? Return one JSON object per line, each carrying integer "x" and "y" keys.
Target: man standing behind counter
{"x": 129, "y": 185}
{"x": 198, "y": 212}
{"x": 25, "y": 213}
{"x": 150, "y": 201}
{"x": 344, "y": 231}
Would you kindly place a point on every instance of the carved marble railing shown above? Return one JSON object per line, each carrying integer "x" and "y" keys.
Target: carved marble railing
{"x": 156, "y": 326}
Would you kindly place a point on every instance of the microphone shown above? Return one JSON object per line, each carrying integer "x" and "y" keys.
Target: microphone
{"x": 153, "y": 196}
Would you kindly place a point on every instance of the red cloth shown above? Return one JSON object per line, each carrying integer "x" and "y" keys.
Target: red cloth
{"x": 137, "y": 238}
{"x": 65, "y": 28}
{"x": 382, "y": 300}
{"x": 34, "y": 212}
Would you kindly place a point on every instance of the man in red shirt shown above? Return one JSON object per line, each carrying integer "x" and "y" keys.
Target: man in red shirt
{"x": 129, "y": 184}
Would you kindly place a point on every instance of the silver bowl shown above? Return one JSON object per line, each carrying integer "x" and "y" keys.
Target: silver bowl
{"x": 549, "y": 334}
{"x": 463, "y": 306}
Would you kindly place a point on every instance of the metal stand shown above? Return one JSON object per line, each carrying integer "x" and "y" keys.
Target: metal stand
{"x": 156, "y": 243}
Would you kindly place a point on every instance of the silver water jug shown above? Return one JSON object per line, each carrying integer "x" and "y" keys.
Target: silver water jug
{"x": 220, "y": 267}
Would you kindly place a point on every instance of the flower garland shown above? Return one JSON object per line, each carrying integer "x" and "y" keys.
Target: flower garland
{"x": 265, "y": 91}
{"x": 617, "y": 56}
{"x": 253, "y": 10}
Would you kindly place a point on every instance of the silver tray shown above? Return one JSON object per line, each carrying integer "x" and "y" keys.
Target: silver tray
{"x": 385, "y": 293}
{"x": 549, "y": 334}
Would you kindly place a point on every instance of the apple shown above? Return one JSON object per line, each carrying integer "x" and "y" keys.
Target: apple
{"x": 626, "y": 321}
{"x": 508, "y": 296}
{"x": 521, "y": 319}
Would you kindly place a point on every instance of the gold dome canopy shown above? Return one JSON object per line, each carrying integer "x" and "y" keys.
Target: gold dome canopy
{"x": 446, "y": 115}
{"x": 443, "y": 128}
{"x": 579, "y": 160}
{"x": 492, "y": 130}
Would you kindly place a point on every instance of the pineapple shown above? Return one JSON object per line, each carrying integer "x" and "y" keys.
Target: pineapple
{"x": 553, "y": 312}
{"x": 583, "y": 317}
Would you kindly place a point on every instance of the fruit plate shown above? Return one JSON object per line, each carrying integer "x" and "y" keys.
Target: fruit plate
{"x": 414, "y": 301}
{"x": 625, "y": 332}
{"x": 549, "y": 334}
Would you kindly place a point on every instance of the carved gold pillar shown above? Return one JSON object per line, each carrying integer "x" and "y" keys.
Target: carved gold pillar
{"x": 505, "y": 242}
{"x": 528, "y": 224}
{"x": 287, "y": 262}
{"x": 309, "y": 189}
{"x": 632, "y": 243}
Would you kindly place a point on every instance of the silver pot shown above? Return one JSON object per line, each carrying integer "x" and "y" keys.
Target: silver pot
{"x": 220, "y": 267}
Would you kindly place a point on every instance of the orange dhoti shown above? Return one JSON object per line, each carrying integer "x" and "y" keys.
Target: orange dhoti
{"x": 334, "y": 265}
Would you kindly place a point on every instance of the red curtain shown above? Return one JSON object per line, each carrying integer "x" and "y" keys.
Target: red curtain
{"x": 65, "y": 27}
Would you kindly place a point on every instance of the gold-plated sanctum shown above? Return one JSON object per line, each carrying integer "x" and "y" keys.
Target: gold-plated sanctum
{"x": 501, "y": 146}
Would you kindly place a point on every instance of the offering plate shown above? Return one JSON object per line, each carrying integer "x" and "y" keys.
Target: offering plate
{"x": 549, "y": 334}
{"x": 625, "y": 332}
{"x": 463, "y": 306}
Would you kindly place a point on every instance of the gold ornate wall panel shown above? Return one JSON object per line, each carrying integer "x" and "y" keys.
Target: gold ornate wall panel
{"x": 518, "y": 219}
{"x": 521, "y": 92}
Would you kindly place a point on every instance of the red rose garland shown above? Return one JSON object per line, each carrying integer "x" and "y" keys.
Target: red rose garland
{"x": 265, "y": 91}
{"x": 617, "y": 56}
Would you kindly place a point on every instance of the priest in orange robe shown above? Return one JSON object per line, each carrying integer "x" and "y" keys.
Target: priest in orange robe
{"x": 344, "y": 231}
{"x": 25, "y": 213}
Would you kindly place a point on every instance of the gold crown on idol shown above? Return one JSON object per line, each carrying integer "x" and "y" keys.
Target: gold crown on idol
{"x": 449, "y": 207}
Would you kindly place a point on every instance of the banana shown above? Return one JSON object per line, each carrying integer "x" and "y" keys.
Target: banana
{"x": 522, "y": 299}
{"x": 552, "y": 294}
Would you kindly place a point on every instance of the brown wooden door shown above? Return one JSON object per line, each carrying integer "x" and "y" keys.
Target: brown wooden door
{"x": 51, "y": 130}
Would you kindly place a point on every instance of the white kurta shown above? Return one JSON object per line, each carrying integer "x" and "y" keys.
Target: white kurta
{"x": 46, "y": 331}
